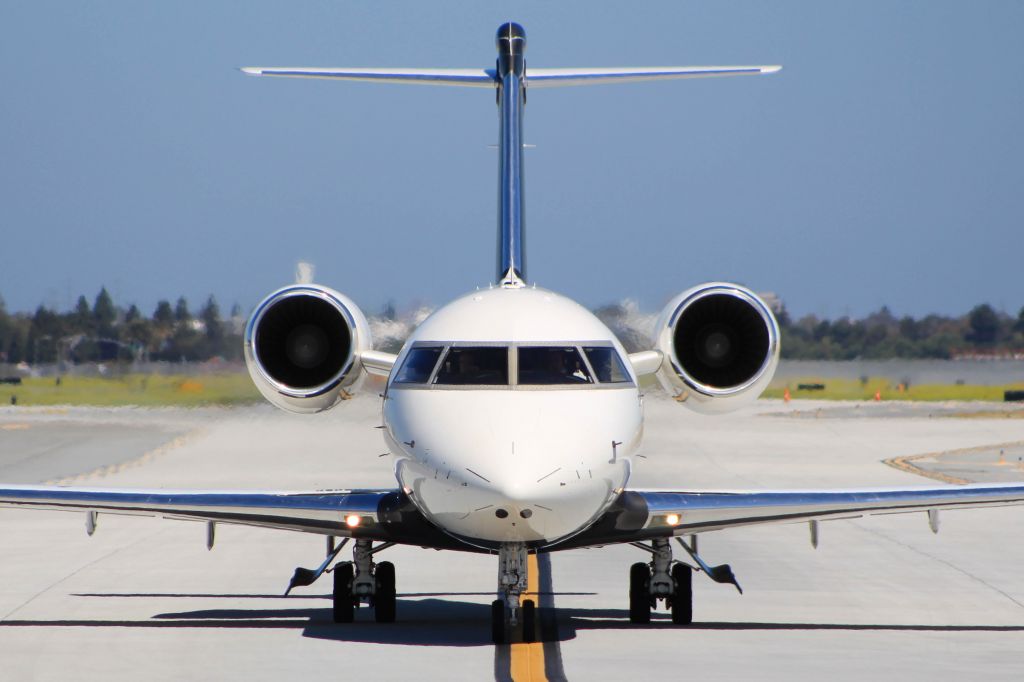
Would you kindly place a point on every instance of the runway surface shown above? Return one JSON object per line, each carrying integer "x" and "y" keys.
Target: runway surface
{"x": 880, "y": 598}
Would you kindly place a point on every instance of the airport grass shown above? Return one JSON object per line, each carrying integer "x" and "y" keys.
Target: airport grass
{"x": 144, "y": 390}
{"x": 852, "y": 389}
{"x": 236, "y": 388}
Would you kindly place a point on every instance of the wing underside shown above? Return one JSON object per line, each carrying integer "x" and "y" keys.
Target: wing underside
{"x": 644, "y": 514}
{"x": 379, "y": 515}
{"x": 388, "y": 515}
{"x": 325, "y": 512}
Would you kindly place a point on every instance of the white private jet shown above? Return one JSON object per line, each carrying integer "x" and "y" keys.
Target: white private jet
{"x": 512, "y": 414}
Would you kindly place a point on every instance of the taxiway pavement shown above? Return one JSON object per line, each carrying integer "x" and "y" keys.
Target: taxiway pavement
{"x": 882, "y": 597}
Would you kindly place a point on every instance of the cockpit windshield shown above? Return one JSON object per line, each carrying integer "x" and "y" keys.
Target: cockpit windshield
{"x": 474, "y": 365}
{"x": 607, "y": 364}
{"x": 440, "y": 365}
{"x": 546, "y": 365}
{"x": 419, "y": 365}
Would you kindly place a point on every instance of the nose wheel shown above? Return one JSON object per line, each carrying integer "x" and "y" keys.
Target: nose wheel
{"x": 502, "y": 624}
{"x": 510, "y": 613}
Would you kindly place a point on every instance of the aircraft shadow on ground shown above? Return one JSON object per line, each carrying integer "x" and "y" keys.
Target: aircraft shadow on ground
{"x": 429, "y": 621}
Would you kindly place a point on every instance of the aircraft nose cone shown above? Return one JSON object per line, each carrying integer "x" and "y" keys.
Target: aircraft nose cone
{"x": 517, "y": 491}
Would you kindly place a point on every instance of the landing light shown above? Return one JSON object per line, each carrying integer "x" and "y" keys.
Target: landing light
{"x": 352, "y": 521}
{"x": 672, "y": 519}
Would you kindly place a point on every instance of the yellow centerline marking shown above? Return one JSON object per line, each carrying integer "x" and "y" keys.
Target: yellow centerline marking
{"x": 14, "y": 427}
{"x": 528, "y": 658}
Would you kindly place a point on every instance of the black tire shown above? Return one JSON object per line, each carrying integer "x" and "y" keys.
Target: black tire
{"x": 529, "y": 620}
{"x": 498, "y": 621}
{"x": 639, "y": 594}
{"x": 384, "y": 598}
{"x": 344, "y": 605}
{"x": 682, "y": 600}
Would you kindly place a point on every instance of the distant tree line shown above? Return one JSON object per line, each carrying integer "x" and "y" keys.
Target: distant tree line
{"x": 105, "y": 332}
{"x": 983, "y": 331}
{"x": 881, "y": 335}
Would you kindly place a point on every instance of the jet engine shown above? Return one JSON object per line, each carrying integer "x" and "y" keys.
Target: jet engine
{"x": 302, "y": 346}
{"x": 720, "y": 344}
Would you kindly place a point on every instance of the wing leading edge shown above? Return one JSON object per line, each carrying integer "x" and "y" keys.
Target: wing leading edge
{"x": 382, "y": 515}
{"x": 645, "y": 514}
{"x": 322, "y": 512}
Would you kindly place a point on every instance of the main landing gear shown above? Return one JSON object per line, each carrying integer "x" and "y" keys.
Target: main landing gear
{"x": 508, "y": 611}
{"x": 660, "y": 579}
{"x": 363, "y": 581}
{"x": 669, "y": 580}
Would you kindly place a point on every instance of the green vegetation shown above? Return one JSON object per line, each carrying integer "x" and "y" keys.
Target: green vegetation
{"x": 104, "y": 332}
{"x": 851, "y": 389}
{"x": 147, "y": 390}
{"x": 981, "y": 332}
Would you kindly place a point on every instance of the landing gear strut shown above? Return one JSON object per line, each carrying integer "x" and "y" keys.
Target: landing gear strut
{"x": 670, "y": 580}
{"x": 660, "y": 579}
{"x": 362, "y": 580}
{"x": 506, "y": 611}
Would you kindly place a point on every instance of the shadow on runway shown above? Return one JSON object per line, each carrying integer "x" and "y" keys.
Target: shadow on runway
{"x": 443, "y": 622}
{"x": 854, "y": 627}
{"x": 575, "y": 619}
{"x": 401, "y": 595}
{"x": 178, "y": 595}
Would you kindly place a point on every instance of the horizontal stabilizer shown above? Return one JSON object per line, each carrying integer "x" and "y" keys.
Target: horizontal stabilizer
{"x": 479, "y": 78}
{"x": 549, "y": 78}
{"x": 487, "y": 78}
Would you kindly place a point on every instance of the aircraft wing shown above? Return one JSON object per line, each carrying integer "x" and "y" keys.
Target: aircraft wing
{"x": 385, "y": 515}
{"x": 645, "y": 514}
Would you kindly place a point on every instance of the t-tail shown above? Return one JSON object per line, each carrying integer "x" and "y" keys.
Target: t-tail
{"x": 512, "y": 79}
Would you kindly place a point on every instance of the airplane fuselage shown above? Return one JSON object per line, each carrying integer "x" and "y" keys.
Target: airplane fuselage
{"x": 513, "y": 452}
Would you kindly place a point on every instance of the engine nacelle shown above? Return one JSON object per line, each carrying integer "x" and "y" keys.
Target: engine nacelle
{"x": 721, "y": 347}
{"x": 302, "y": 346}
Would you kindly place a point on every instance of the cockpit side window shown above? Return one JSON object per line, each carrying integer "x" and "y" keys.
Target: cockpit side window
{"x": 545, "y": 365}
{"x": 607, "y": 364}
{"x": 419, "y": 365}
{"x": 474, "y": 365}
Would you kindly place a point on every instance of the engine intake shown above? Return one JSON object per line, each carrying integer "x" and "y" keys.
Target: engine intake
{"x": 721, "y": 344}
{"x": 302, "y": 346}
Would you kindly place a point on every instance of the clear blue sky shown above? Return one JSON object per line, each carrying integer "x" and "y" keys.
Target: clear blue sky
{"x": 883, "y": 165}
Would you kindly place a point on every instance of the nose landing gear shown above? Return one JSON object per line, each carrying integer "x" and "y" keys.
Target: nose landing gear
{"x": 509, "y": 610}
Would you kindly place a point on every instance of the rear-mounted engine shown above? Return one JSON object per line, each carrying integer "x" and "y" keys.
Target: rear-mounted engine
{"x": 302, "y": 346}
{"x": 721, "y": 347}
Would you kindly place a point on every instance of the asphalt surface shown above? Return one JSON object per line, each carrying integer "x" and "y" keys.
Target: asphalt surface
{"x": 881, "y": 597}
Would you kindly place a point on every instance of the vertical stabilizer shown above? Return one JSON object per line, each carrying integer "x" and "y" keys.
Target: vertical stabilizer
{"x": 511, "y": 41}
{"x": 510, "y": 78}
